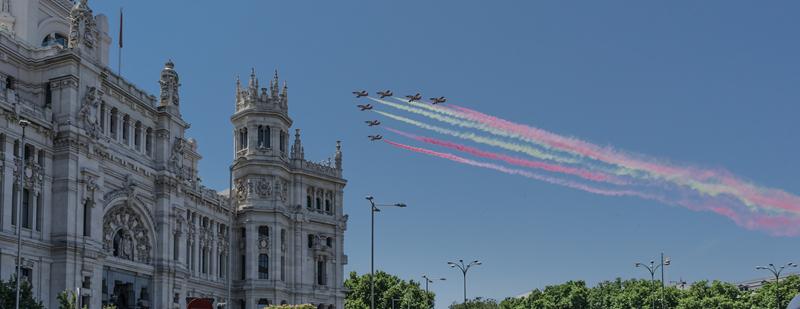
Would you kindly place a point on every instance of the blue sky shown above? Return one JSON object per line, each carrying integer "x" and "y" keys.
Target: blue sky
{"x": 709, "y": 83}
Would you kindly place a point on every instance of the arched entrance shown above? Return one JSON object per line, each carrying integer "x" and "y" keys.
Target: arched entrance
{"x": 200, "y": 303}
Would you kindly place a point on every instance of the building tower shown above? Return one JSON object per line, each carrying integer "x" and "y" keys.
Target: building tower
{"x": 289, "y": 222}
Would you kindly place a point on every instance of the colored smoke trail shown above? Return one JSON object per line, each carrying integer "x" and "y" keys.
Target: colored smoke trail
{"x": 712, "y": 183}
{"x": 480, "y": 139}
{"x": 776, "y": 225}
{"x": 589, "y": 175}
{"x": 552, "y": 180}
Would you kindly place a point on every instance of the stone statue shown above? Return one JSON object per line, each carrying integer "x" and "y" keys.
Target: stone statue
{"x": 127, "y": 247}
{"x": 89, "y": 111}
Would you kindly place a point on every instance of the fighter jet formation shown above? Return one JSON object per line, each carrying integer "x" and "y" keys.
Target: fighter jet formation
{"x": 438, "y": 100}
{"x": 388, "y": 93}
{"x": 416, "y": 97}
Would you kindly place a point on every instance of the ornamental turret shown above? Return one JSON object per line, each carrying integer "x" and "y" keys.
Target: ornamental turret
{"x": 297, "y": 147}
{"x": 170, "y": 84}
{"x": 338, "y": 156}
{"x": 262, "y": 99}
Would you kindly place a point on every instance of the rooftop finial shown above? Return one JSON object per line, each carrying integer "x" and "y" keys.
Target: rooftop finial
{"x": 338, "y": 157}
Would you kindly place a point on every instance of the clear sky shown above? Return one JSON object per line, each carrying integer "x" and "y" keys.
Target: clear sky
{"x": 708, "y": 83}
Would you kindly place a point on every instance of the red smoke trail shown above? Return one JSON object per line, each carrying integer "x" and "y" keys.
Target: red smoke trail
{"x": 523, "y": 173}
{"x": 780, "y": 226}
{"x": 777, "y": 200}
{"x": 516, "y": 161}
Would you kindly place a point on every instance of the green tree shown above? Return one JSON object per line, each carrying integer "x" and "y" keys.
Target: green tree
{"x": 477, "y": 303}
{"x": 717, "y": 295}
{"x": 387, "y": 287}
{"x": 765, "y": 296}
{"x": 8, "y": 295}
{"x": 68, "y": 300}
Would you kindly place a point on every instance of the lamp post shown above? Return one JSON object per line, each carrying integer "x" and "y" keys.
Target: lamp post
{"x": 20, "y": 184}
{"x": 373, "y": 209}
{"x": 652, "y": 268}
{"x": 464, "y": 269}
{"x": 776, "y": 271}
{"x": 429, "y": 280}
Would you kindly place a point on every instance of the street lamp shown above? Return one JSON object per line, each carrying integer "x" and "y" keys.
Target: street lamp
{"x": 21, "y": 180}
{"x": 429, "y": 280}
{"x": 464, "y": 269}
{"x": 373, "y": 209}
{"x": 652, "y": 268}
{"x": 776, "y": 271}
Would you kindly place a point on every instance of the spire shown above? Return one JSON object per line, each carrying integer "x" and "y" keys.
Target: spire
{"x": 253, "y": 82}
{"x": 238, "y": 89}
{"x": 285, "y": 91}
{"x": 338, "y": 157}
{"x": 297, "y": 147}
{"x": 274, "y": 86}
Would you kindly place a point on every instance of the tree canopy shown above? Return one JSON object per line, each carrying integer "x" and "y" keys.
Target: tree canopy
{"x": 8, "y": 295}
{"x": 636, "y": 293}
{"x": 407, "y": 294}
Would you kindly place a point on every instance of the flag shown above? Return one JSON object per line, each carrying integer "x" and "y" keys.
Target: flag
{"x": 120, "y": 27}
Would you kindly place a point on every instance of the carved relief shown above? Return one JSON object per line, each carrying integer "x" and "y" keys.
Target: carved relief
{"x": 282, "y": 189}
{"x": 125, "y": 235}
{"x": 263, "y": 188}
{"x": 176, "y": 157}
{"x": 241, "y": 189}
{"x": 88, "y": 114}
{"x": 83, "y": 28}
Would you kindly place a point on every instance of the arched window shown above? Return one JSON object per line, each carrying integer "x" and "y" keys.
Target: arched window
{"x": 263, "y": 231}
{"x": 112, "y": 125}
{"x": 242, "y": 138}
{"x": 263, "y": 301}
{"x": 54, "y": 39}
{"x": 263, "y": 266}
{"x": 264, "y": 137}
{"x": 283, "y": 142}
{"x": 327, "y": 205}
{"x": 137, "y": 135}
{"x": 102, "y": 117}
{"x": 319, "y": 204}
{"x": 126, "y": 123}
{"x": 309, "y": 204}
{"x": 148, "y": 141}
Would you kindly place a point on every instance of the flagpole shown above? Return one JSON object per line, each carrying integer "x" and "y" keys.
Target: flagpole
{"x": 119, "y": 54}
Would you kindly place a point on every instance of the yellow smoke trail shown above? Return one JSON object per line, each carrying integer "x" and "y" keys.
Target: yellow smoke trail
{"x": 480, "y": 139}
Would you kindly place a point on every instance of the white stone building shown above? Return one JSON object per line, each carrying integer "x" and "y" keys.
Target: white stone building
{"x": 111, "y": 203}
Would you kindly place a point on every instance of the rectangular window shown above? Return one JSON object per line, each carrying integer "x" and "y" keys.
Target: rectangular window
{"x": 321, "y": 272}
{"x": 87, "y": 218}
{"x": 39, "y": 213}
{"x": 263, "y": 266}
{"x": 283, "y": 142}
{"x": 176, "y": 245}
{"x": 26, "y": 274}
{"x": 26, "y": 208}
{"x": 283, "y": 268}
{"x": 222, "y": 265}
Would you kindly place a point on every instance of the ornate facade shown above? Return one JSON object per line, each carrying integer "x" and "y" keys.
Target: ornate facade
{"x": 109, "y": 202}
